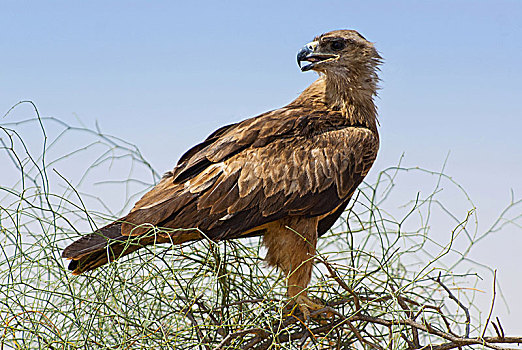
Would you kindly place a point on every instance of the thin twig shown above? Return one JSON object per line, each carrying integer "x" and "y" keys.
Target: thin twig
{"x": 347, "y": 288}
{"x": 452, "y": 297}
{"x": 229, "y": 338}
{"x": 492, "y": 303}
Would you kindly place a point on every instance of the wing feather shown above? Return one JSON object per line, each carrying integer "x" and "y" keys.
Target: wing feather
{"x": 258, "y": 171}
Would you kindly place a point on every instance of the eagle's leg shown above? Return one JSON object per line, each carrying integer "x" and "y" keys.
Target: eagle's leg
{"x": 298, "y": 279}
{"x": 291, "y": 246}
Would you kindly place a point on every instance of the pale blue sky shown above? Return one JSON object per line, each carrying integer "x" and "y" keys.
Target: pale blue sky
{"x": 163, "y": 75}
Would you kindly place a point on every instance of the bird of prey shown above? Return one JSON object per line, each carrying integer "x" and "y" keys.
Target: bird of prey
{"x": 285, "y": 175}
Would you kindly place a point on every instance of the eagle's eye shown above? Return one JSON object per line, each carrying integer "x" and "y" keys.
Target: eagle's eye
{"x": 337, "y": 45}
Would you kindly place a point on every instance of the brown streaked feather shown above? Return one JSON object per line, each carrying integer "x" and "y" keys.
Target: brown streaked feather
{"x": 299, "y": 166}
{"x": 296, "y": 165}
{"x": 250, "y": 189}
{"x": 94, "y": 241}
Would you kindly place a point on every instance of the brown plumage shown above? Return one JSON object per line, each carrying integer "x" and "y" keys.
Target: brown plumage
{"x": 290, "y": 170}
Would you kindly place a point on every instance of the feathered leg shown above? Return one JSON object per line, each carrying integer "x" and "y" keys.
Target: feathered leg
{"x": 291, "y": 247}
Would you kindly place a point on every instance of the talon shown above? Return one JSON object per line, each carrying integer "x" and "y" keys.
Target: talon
{"x": 305, "y": 305}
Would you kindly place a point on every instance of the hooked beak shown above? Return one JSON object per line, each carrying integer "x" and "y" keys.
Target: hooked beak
{"x": 307, "y": 53}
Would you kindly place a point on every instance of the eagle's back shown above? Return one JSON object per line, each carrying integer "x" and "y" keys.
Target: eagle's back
{"x": 300, "y": 160}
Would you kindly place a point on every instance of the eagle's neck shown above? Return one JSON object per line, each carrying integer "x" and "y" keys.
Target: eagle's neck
{"x": 350, "y": 93}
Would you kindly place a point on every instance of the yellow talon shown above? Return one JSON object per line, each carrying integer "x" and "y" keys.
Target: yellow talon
{"x": 305, "y": 304}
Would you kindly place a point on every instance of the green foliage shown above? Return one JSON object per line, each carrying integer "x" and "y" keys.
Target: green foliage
{"x": 376, "y": 270}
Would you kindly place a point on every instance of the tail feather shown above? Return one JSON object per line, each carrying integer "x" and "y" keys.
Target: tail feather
{"x": 108, "y": 244}
{"x": 99, "y": 248}
{"x": 93, "y": 242}
{"x": 101, "y": 257}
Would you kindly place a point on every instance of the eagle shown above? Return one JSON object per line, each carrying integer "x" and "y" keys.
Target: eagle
{"x": 286, "y": 175}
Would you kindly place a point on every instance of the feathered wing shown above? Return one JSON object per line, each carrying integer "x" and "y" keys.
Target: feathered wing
{"x": 289, "y": 162}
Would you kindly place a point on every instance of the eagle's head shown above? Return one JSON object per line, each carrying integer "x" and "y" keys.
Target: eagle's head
{"x": 339, "y": 52}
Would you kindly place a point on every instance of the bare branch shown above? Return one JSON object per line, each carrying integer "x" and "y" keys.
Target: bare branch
{"x": 492, "y": 303}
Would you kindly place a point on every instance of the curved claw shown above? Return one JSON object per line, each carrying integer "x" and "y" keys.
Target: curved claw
{"x": 305, "y": 304}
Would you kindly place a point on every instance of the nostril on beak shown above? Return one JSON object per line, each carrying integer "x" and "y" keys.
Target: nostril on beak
{"x": 312, "y": 45}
